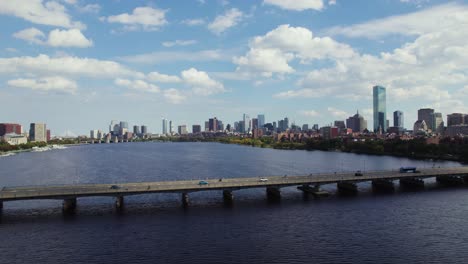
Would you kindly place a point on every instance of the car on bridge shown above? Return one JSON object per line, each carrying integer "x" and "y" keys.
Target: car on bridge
{"x": 263, "y": 180}
{"x": 115, "y": 187}
{"x": 202, "y": 183}
{"x": 358, "y": 173}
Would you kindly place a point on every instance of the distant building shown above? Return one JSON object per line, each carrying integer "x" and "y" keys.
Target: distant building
{"x": 457, "y": 130}
{"x": 220, "y": 125}
{"x": 357, "y": 123}
{"x": 114, "y": 127}
{"x": 340, "y": 125}
{"x": 419, "y": 127}
{"x": 257, "y": 133}
{"x": 207, "y": 126}
{"x": 247, "y": 123}
{"x": 426, "y": 114}
{"x": 255, "y": 123}
{"x": 455, "y": 119}
{"x": 305, "y": 127}
{"x": 164, "y": 126}
{"x": 144, "y": 130}
{"x": 136, "y": 130}
{"x": 275, "y": 126}
{"x": 261, "y": 120}
{"x": 328, "y": 132}
{"x": 380, "y": 108}
{"x": 196, "y": 129}
{"x": 93, "y": 134}
{"x": 437, "y": 123}
{"x": 182, "y": 129}
{"x": 315, "y": 127}
{"x": 213, "y": 124}
{"x": 171, "y": 127}
{"x": 38, "y": 132}
{"x": 398, "y": 120}
{"x": 14, "y": 139}
{"x": 6, "y": 128}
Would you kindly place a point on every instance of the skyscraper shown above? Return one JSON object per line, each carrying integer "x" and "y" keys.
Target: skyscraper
{"x": 247, "y": 124}
{"x": 380, "y": 108}
{"x": 398, "y": 119}
{"x": 357, "y": 123}
{"x": 213, "y": 124}
{"x": 114, "y": 127}
{"x": 261, "y": 120}
{"x": 164, "y": 126}
{"x": 171, "y": 128}
{"x": 136, "y": 130}
{"x": 426, "y": 114}
{"x": 144, "y": 130}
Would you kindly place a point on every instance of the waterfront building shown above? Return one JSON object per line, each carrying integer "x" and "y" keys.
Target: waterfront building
{"x": 261, "y": 120}
{"x": 171, "y": 127}
{"x": 426, "y": 114}
{"x": 114, "y": 127}
{"x": 207, "y": 126}
{"x": 220, "y": 125}
{"x": 93, "y": 134}
{"x": 7, "y": 128}
{"x": 144, "y": 130}
{"x": 380, "y": 108}
{"x": 398, "y": 119}
{"x": 164, "y": 126}
{"x": 457, "y": 130}
{"x": 14, "y": 139}
{"x": 340, "y": 125}
{"x": 305, "y": 127}
{"x": 455, "y": 119}
{"x": 136, "y": 130}
{"x": 182, "y": 129}
{"x": 356, "y": 123}
{"x": 315, "y": 127}
{"x": 213, "y": 124}
{"x": 38, "y": 132}
{"x": 196, "y": 129}
{"x": 329, "y": 132}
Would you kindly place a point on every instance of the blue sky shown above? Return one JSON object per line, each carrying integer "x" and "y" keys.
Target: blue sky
{"x": 78, "y": 64}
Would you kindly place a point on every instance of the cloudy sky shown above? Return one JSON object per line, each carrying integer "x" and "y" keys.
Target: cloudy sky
{"x": 77, "y": 64}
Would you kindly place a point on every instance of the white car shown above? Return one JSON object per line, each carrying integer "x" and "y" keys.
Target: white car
{"x": 263, "y": 179}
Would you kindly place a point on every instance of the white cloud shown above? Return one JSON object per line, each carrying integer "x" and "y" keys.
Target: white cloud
{"x": 272, "y": 52}
{"x": 337, "y": 113}
{"x": 41, "y": 12}
{"x": 412, "y": 24}
{"x": 173, "y": 56}
{"x": 89, "y": 8}
{"x": 297, "y": 5}
{"x": 138, "y": 85}
{"x": 309, "y": 113}
{"x": 163, "y": 78}
{"x": 193, "y": 22}
{"x": 179, "y": 42}
{"x": 331, "y": 2}
{"x": 146, "y": 18}
{"x": 54, "y": 83}
{"x": 223, "y": 22}
{"x": 31, "y": 35}
{"x": 73, "y": 66}
{"x": 174, "y": 96}
{"x": 56, "y": 38}
{"x": 68, "y": 38}
{"x": 201, "y": 83}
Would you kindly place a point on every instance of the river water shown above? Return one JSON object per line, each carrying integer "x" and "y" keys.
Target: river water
{"x": 428, "y": 226}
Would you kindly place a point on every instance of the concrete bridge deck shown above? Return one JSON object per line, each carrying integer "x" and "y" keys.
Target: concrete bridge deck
{"x": 227, "y": 184}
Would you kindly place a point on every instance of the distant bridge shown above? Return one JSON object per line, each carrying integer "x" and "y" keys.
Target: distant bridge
{"x": 346, "y": 182}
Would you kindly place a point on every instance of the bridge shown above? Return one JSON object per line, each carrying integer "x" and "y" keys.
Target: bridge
{"x": 346, "y": 182}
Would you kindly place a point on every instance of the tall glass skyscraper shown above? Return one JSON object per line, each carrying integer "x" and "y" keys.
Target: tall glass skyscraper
{"x": 380, "y": 108}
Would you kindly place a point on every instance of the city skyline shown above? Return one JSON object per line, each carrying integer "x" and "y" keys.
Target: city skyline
{"x": 97, "y": 61}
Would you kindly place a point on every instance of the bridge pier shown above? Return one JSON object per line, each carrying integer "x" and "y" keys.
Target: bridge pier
{"x": 69, "y": 205}
{"x": 185, "y": 199}
{"x": 228, "y": 197}
{"x": 347, "y": 187}
{"x": 450, "y": 180}
{"x": 383, "y": 185}
{"x": 1, "y": 205}
{"x": 412, "y": 183}
{"x": 119, "y": 202}
{"x": 315, "y": 191}
{"x": 273, "y": 193}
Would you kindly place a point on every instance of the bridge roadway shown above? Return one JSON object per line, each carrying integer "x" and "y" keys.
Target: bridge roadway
{"x": 227, "y": 184}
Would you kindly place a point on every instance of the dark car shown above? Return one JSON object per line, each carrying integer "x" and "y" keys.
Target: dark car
{"x": 115, "y": 187}
{"x": 358, "y": 173}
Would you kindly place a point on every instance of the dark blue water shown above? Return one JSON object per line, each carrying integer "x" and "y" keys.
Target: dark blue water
{"x": 429, "y": 226}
